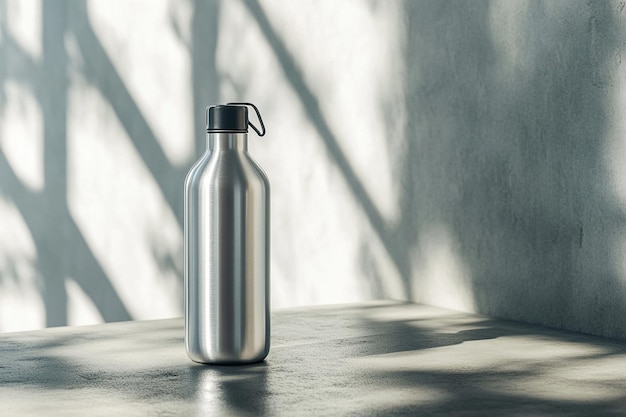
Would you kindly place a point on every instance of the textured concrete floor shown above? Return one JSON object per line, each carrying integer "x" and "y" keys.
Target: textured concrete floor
{"x": 379, "y": 358}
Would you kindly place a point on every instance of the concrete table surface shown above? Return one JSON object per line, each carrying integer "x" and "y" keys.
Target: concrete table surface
{"x": 378, "y": 359}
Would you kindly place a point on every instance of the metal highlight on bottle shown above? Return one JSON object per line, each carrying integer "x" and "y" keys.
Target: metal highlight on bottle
{"x": 226, "y": 238}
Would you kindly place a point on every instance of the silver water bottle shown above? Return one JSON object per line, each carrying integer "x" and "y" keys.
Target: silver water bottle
{"x": 226, "y": 234}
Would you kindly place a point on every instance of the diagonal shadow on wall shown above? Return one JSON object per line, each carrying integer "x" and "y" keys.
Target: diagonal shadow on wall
{"x": 100, "y": 72}
{"x": 62, "y": 251}
{"x": 512, "y": 165}
{"x": 396, "y": 248}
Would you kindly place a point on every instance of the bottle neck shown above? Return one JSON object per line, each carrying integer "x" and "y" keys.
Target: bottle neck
{"x": 227, "y": 141}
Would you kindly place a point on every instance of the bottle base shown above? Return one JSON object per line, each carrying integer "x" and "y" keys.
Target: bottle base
{"x": 228, "y": 361}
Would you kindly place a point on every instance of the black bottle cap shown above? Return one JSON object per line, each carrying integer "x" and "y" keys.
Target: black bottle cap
{"x": 227, "y": 118}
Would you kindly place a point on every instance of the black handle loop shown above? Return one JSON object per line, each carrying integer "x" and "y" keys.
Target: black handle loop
{"x": 258, "y": 115}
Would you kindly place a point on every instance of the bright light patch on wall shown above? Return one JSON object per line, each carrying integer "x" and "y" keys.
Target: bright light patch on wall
{"x": 21, "y": 306}
{"x": 24, "y": 25}
{"x": 151, "y": 57}
{"x": 80, "y": 309}
{"x": 120, "y": 210}
{"x": 319, "y": 223}
{"x": 350, "y": 54}
{"x": 510, "y": 37}
{"x": 439, "y": 276}
{"x": 21, "y": 134}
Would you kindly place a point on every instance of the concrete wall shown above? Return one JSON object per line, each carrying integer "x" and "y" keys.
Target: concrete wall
{"x": 467, "y": 154}
{"x": 515, "y": 159}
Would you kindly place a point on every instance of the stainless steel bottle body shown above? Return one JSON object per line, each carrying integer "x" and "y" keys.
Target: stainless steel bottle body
{"x": 227, "y": 254}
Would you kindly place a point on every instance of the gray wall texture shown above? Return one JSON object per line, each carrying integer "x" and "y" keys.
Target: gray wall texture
{"x": 515, "y": 142}
{"x": 467, "y": 154}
